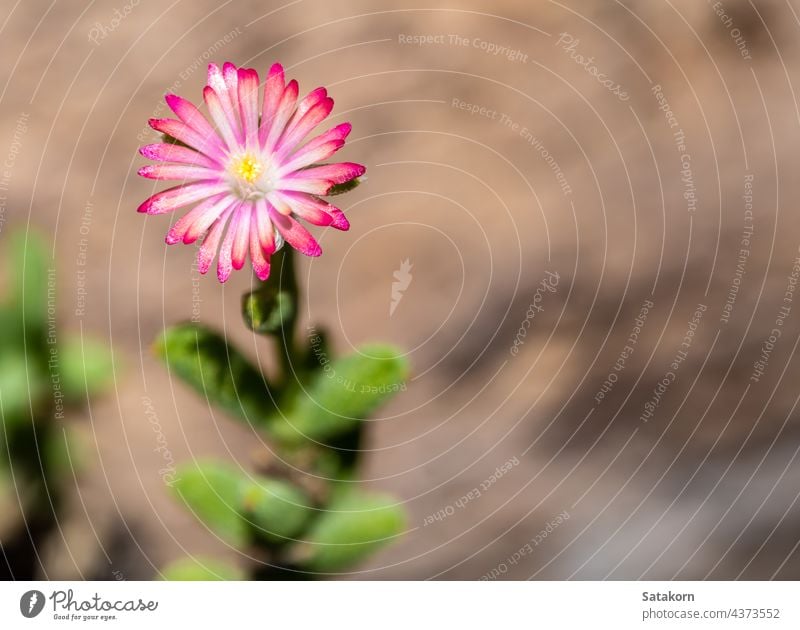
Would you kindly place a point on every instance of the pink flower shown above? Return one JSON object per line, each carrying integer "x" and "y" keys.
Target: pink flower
{"x": 250, "y": 174}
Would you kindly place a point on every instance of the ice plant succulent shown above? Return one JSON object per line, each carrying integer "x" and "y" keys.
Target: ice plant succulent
{"x": 250, "y": 174}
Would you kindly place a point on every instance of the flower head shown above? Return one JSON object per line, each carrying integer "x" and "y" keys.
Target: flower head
{"x": 250, "y": 174}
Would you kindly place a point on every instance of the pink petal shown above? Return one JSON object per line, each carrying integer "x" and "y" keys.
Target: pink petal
{"x": 187, "y": 135}
{"x": 306, "y": 207}
{"x": 282, "y": 115}
{"x": 273, "y": 91}
{"x": 340, "y": 221}
{"x": 311, "y": 209}
{"x": 165, "y": 152}
{"x": 208, "y": 250}
{"x": 242, "y": 237}
{"x": 260, "y": 263}
{"x": 215, "y": 79}
{"x": 276, "y": 202}
{"x": 297, "y": 132}
{"x": 225, "y": 262}
{"x": 231, "y": 76}
{"x": 295, "y": 234}
{"x": 299, "y": 184}
{"x": 337, "y": 173}
{"x": 339, "y": 132}
{"x": 196, "y": 222}
{"x": 306, "y": 157}
{"x": 266, "y": 231}
{"x": 315, "y": 96}
{"x": 221, "y": 81}
{"x": 224, "y": 122}
{"x": 180, "y": 196}
{"x": 189, "y": 114}
{"x": 179, "y": 172}
{"x": 336, "y": 135}
{"x": 248, "y": 106}
{"x": 310, "y": 100}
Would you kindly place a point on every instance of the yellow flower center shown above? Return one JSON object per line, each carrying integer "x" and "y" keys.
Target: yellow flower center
{"x": 247, "y": 168}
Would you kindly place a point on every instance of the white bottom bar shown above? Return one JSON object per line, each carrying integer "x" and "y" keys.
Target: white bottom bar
{"x": 389, "y": 605}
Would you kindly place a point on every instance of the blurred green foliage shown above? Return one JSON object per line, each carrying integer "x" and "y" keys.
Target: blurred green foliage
{"x": 199, "y": 570}
{"x": 341, "y": 394}
{"x": 44, "y": 372}
{"x": 312, "y": 417}
{"x": 217, "y": 371}
{"x": 355, "y": 526}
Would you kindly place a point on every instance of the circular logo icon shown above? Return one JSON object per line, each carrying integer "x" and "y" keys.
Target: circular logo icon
{"x": 31, "y": 604}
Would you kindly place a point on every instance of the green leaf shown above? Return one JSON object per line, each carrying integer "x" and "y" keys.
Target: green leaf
{"x": 10, "y": 328}
{"x": 342, "y": 393}
{"x": 266, "y": 311}
{"x": 339, "y": 189}
{"x": 86, "y": 368}
{"x": 272, "y": 307}
{"x": 65, "y": 453}
{"x": 356, "y": 526}
{"x": 278, "y": 509}
{"x": 213, "y": 493}
{"x": 235, "y": 505}
{"x": 32, "y": 287}
{"x": 22, "y": 387}
{"x": 200, "y": 570}
{"x": 204, "y": 360}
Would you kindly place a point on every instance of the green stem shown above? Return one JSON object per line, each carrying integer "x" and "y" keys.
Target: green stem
{"x": 283, "y": 266}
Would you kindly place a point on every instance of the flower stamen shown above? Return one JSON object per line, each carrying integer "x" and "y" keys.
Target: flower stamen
{"x": 247, "y": 168}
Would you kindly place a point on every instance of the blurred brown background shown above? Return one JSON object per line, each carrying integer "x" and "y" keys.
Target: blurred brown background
{"x": 486, "y": 172}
